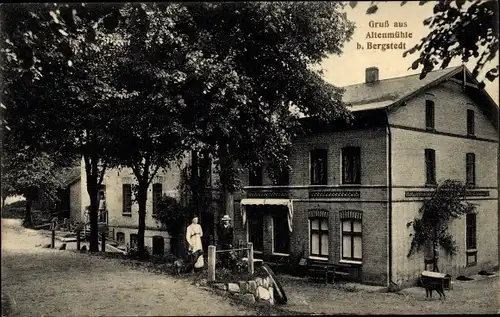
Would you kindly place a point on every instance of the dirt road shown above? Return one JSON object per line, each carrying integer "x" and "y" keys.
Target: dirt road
{"x": 44, "y": 282}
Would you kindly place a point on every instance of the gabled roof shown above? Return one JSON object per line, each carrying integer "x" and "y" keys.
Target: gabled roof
{"x": 68, "y": 176}
{"x": 392, "y": 92}
{"x": 391, "y": 89}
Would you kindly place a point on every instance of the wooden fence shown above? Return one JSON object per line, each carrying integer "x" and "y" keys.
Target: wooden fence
{"x": 212, "y": 255}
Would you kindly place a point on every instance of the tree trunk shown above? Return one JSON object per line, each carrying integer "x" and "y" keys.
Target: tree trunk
{"x": 226, "y": 180}
{"x": 94, "y": 233}
{"x": 141, "y": 200}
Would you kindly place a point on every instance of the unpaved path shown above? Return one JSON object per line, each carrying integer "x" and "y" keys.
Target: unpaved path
{"x": 44, "y": 282}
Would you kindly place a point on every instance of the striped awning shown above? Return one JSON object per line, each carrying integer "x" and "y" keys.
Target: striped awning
{"x": 267, "y": 201}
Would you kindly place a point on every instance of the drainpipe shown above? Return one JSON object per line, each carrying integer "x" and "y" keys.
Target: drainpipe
{"x": 389, "y": 199}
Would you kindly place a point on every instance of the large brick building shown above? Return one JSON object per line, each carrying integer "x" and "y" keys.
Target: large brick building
{"x": 353, "y": 188}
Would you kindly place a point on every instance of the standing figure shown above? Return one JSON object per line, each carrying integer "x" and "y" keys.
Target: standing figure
{"x": 102, "y": 207}
{"x": 225, "y": 240}
{"x": 193, "y": 237}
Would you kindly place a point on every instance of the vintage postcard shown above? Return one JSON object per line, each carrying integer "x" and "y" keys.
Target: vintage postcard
{"x": 250, "y": 158}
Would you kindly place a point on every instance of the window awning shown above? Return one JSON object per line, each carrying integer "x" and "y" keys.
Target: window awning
{"x": 267, "y": 201}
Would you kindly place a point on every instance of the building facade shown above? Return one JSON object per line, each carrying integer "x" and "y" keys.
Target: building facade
{"x": 122, "y": 208}
{"x": 353, "y": 188}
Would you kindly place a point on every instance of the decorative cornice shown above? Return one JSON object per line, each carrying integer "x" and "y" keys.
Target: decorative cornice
{"x": 469, "y": 193}
{"x": 268, "y": 194}
{"x": 318, "y": 213}
{"x": 334, "y": 194}
{"x": 351, "y": 214}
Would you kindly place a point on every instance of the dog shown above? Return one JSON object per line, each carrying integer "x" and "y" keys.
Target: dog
{"x": 179, "y": 266}
{"x": 432, "y": 286}
{"x": 182, "y": 266}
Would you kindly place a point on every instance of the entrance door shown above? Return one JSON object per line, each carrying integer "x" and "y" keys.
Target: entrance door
{"x": 158, "y": 245}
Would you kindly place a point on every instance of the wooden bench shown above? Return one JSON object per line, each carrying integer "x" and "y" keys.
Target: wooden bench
{"x": 319, "y": 270}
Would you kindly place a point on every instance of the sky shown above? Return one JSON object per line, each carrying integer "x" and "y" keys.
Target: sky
{"x": 349, "y": 68}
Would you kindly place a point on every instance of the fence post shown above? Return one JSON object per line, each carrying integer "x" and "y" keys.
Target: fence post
{"x": 211, "y": 263}
{"x": 103, "y": 242}
{"x": 78, "y": 240}
{"x": 250, "y": 257}
{"x": 53, "y": 239}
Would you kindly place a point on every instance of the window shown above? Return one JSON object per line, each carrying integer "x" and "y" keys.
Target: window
{"x": 256, "y": 230}
{"x": 351, "y": 240}
{"x": 120, "y": 237}
{"x": 319, "y": 236}
{"x": 471, "y": 246}
{"x": 158, "y": 245}
{"x": 430, "y": 167}
{"x": 133, "y": 240}
{"x": 255, "y": 176}
{"x": 157, "y": 192}
{"x": 281, "y": 233}
{"x": 470, "y": 122}
{"x": 351, "y": 165}
{"x": 283, "y": 178}
{"x": 471, "y": 231}
{"x": 127, "y": 199}
{"x": 470, "y": 169}
{"x": 429, "y": 115}
{"x": 318, "y": 167}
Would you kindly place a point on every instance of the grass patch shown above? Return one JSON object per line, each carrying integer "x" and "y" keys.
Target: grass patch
{"x": 6, "y": 305}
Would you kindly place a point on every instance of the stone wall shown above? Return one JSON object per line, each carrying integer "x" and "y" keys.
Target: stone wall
{"x": 256, "y": 290}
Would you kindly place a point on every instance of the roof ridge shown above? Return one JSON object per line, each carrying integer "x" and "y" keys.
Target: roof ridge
{"x": 399, "y": 77}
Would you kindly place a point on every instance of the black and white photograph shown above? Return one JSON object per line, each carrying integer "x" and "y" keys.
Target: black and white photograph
{"x": 266, "y": 158}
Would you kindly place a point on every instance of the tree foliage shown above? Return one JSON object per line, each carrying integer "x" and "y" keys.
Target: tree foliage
{"x": 57, "y": 57}
{"x": 458, "y": 29}
{"x": 446, "y": 203}
{"x": 30, "y": 174}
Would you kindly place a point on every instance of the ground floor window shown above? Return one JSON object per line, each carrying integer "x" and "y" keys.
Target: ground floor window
{"x": 471, "y": 239}
{"x": 319, "y": 236}
{"x": 256, "y": 230}
{"x": 120, "y": 237}
{"x": 133, "y": 240}
{"x": 351, "y": 239}
{"x": 158, "y": 245}
{"x": 281, "y": 233}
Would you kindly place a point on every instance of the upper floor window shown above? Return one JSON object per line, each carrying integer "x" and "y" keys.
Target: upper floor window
{"x": 470, "y": 169}
{"x": 430, "y": 166}
{"x": 127, "y": 199}
{"x": 283, "y": 178}
{"x": 319, "y": 159}
{"x": 319, "y": 236}
{"x": 351, "y": 165}
{"x": 157, "y": 192}
{"x": 255, "y": 176}
{"x": 429, "y": 115}
{"x": 470, "y": 122}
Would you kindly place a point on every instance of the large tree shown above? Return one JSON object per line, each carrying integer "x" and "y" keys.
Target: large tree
{"x": 30, "y": 174}
{"x": 148, "y": 134}
{"x": 56, "y": 58}
{"x": 251, "y": 65}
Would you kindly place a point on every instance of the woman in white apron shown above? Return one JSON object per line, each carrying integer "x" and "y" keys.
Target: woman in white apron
{"x": 193, "y": 237}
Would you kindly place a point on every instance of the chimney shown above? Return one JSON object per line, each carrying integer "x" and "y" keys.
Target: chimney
{"x": 371, "y": 74}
